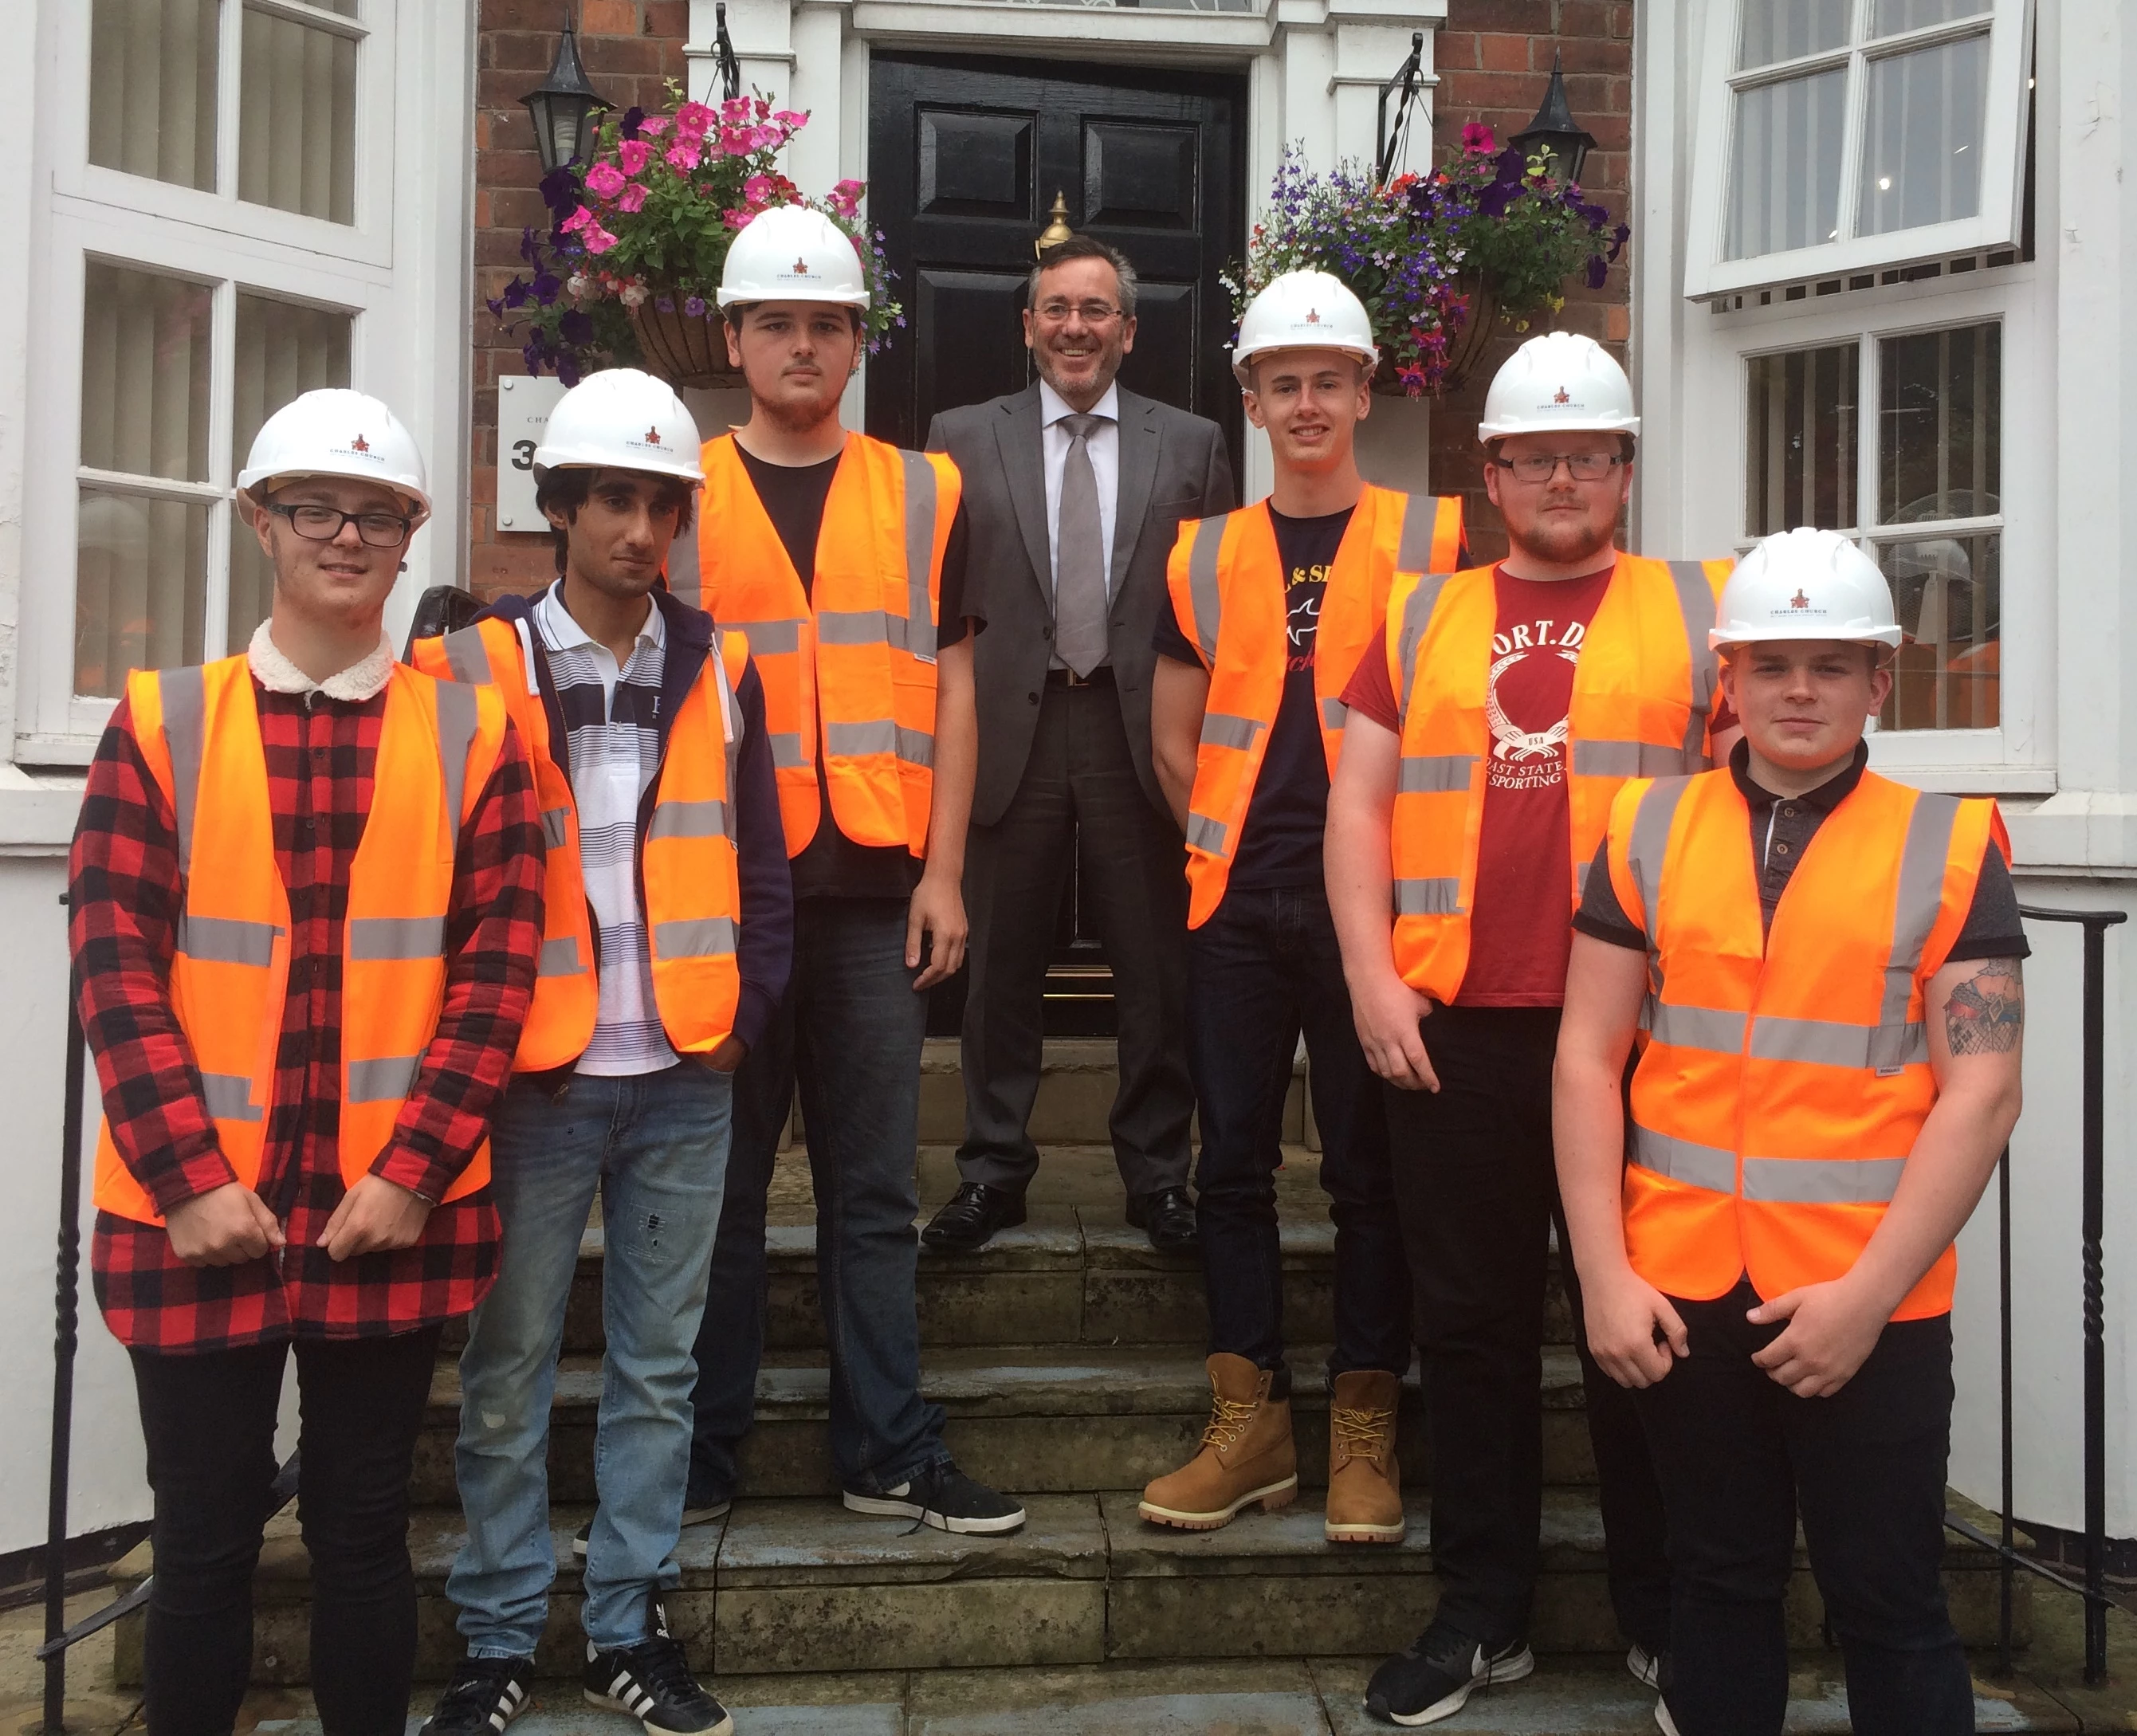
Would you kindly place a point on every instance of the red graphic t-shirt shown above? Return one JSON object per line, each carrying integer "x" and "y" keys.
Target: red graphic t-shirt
{"x": 1521, "y": 933}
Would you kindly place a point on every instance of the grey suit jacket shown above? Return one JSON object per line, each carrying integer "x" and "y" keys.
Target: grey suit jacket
{"x": 1173, "y": 466}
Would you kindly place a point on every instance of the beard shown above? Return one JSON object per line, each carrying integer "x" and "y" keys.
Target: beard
{"x": 801, "y": 414}
{"x": 1565, "y": 538}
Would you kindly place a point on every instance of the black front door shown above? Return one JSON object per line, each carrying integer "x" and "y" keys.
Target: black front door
{"x": 967, "y": 155}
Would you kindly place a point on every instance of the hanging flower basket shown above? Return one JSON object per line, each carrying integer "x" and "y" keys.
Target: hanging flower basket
{"x": 1473, "y": 336}
{"x": 682, "y": 348}
{"x": 627, "y": 272}
{"x": 1439, "y": 259}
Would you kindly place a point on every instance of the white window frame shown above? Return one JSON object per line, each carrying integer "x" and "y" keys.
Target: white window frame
{"x": 1707, "y": 274}
{"x": 401, "y": 269}
{"x": 2018, "y": 755}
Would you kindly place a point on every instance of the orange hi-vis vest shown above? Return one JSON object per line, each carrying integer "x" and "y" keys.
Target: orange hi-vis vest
{"x": 688, "y": 872}
{"x": 1229, "y": 595}
{"x": 848, "y": 666}
{"x": 199, "y": 732}
{"x": 1783, "y": 1077}
{"x": 1642, "y": 692}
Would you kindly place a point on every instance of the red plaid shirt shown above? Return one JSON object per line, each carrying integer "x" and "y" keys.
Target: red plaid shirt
{"x": 124, "y": 904}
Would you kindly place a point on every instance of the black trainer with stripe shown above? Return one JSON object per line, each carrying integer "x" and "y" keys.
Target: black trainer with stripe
{"x": 652, "y": 1682}
{"x": 482, "y": 1697}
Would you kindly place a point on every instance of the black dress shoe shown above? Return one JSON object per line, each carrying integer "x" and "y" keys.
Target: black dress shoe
{"x": 976, "y": 1211}
{"x": 1166, "y": 1217}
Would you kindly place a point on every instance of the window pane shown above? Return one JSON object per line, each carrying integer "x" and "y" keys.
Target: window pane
{"x": 1784, "y": 165}
{"x": 141, "y": 579}
{"x": 1780, "y": 30}
{"x": 152, "y": 69}
{"x": 296, "y": 127}
{"x": 1940, "y": 413}
{"x": 1921, "y": 150}
{"x": 1891, "y": 16}
{"x": 1947, "y": 590}
{"x": 281, "y": 350}
{"x": 1801, "y": 446}
{"x": 144, "y": 373}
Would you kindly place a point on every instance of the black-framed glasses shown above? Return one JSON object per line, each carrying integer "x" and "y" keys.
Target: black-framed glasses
{"x": 1093, "y": 312}
{"x": 1542, "y": 466}
{"x": 323, "y": 523}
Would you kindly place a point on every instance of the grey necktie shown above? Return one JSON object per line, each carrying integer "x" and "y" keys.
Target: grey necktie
{"x": 1080, "y": 562}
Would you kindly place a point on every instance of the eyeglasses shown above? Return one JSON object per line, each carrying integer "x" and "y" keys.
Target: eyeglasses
{"x": 1092, "y": 313}
{"x": 1533, "y": 467}
{"x": 323, "y": 523}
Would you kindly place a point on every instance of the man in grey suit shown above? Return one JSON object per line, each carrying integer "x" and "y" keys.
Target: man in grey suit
{"x": 1073, "y": 490}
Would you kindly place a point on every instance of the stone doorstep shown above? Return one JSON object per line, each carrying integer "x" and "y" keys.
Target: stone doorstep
{"x": 790, "y": 1586}
{"x": 1137, "y": 1412}
{"x": 1069, "y": 1275}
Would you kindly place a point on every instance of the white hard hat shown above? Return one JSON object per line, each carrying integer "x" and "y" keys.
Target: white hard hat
{"x": 621, "y": 418}
{"x": 791, "y": 253}
{"x": 337, "y": 432}
{"x": 1557, "y": 383}
{"x": 1303, "y": 310}
{"x": 1805, "y": 584}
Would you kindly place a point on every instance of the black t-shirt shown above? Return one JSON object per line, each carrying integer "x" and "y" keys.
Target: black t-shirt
{"x": 1781, "y": 830}
{"x": 832, "y": 865}
{"x": 1280, "y": 840}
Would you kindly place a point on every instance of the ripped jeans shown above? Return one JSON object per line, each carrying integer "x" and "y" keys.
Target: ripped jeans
{"x": 656, "y": 1146}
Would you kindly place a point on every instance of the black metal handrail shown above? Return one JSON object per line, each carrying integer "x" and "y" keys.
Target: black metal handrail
{"x": 2092, "y": 1223}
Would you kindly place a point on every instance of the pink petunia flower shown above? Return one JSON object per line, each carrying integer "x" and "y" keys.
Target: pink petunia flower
{"x": 653, "y": 126}
{"x": 632, "y": 198}
{"x": 694, "y": 120}
{"x": 760, "y": 189}
{"x": 604, "y": 180}
{"x": 790, "y": 120}
{"x": 598, "y": 239}
{"x": 578, "y": 219}
{"x": 738, "y": 141}
{"x": 735, "y": 111}
{"x": 1478, "y": 136}
{"x": 634, "y": 154}
{"x": 684, "y": 154}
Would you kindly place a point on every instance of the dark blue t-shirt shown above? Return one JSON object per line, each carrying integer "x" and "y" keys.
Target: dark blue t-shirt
{"x": 1280, "y": 842}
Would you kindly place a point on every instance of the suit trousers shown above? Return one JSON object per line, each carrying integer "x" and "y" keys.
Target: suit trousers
{"x": 1079, "y": 794}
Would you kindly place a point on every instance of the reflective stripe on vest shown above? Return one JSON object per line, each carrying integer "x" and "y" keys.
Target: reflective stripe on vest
{"x": 1229, "y": 595}
{"x": 198, "y": 730}
{"x": 849, "y": 663}
{"x": 1642, "y": 693}
{"x": 1783, "y": 1075}
{"x": 688, "y": 858}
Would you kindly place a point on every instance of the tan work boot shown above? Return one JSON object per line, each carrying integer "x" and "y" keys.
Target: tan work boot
{"x": 1364, "y": 1483}
{"x": 1247, "y": 1454}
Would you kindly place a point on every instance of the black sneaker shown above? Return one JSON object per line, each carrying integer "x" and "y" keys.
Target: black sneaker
{"x": 1434, "y": 1677}
{"x": 697, "y": 1512}
{"x": 652, "y": 1681}
{"x": 482, "y": 1697}
{"x": 944, "y": 1497}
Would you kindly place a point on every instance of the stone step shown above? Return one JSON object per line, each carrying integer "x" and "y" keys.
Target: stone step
{"x": 804, "y": 1586}
{"x": 1078, "y": 1078}
{"x": 1071, "y": 1273}
{"x": 1567, "y": 1696}
{"x": 1039, "y": 1419}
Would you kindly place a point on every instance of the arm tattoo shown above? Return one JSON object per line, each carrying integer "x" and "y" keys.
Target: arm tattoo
{"x": 1986, "y": 1012}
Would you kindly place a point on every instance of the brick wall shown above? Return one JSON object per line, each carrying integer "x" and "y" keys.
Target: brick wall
{"x": 1493, "y": 59}
{"x": 630, "y": 48}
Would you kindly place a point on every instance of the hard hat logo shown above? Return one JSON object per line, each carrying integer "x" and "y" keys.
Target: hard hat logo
{"x": 359, "y": 445}
{"x": 1563, "y": 396}
{"x": 1313, "y": 316}
{"x": 653, "y": 436}
{"x": 1798, "y": 601}
{"x": 802, "y": 268}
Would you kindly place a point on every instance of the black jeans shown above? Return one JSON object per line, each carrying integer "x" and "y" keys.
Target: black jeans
{"x": 1738, "y": 1457}
{"x": 1262, "y": 968}
{"x": 209, "y": 1421}
{"x": 1477, "y": 1189}
{"x": 849, "y": 1031}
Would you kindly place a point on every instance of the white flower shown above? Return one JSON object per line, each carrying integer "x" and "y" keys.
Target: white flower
{"x": 635, "y": 295}
{"x": 576, "y": 286}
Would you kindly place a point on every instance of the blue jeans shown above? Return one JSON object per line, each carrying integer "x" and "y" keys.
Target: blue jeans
{"x": 656, "y": 1146}
{"x": 1264, "y": 967}
{"x": 850, "y": 1030}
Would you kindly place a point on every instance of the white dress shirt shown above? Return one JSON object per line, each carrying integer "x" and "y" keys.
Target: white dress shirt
{"x": 1104, "y": 446}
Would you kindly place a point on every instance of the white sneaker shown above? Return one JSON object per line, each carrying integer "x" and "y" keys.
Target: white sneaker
{"x": 1645, "y": 1665}
{"x": 1663, "y": 1722}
